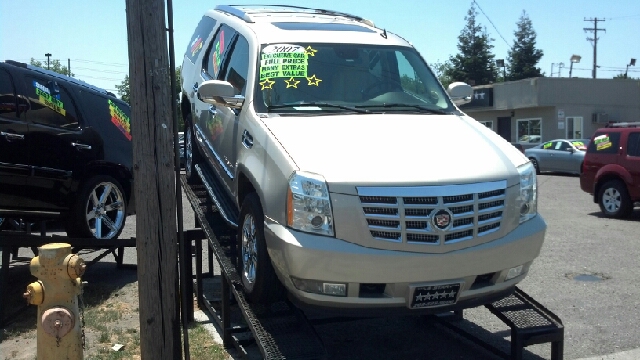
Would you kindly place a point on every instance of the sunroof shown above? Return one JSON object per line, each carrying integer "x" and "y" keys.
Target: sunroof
{"x": 320, "y": 26}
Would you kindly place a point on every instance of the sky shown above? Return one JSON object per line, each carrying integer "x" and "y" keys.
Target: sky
{"x": 92, "y": 34}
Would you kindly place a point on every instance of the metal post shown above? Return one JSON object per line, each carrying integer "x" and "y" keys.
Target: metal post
{"x": 48, "y": 55}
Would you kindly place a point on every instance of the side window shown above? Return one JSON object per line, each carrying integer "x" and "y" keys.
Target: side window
{"x": 605, "y": 143}
{"x": 51, "y": 104}
{"x": 204, "y": 28}
{"x": 633, "y": 144}
{"x": 8, "y": 100}
{"x": 563, "y": 145}
{"x": 216, "y": 51}
{"x": 237, "y": 68}
{"x": 549, "y": 145}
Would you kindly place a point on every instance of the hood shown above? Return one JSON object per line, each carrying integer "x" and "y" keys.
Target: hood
{"x": 396, "y": 149}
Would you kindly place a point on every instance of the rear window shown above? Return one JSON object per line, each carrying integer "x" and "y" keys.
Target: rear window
{"x": 633, "y": 144}
{"x": 605, "y": 143}
{"x": 204, "y": 28}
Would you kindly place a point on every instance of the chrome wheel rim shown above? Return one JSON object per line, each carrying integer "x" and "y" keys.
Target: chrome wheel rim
{"x": 611, "y": 200}
{"x": 249, "y": 251}
{"x": 105, "y": 210}
{"x": 188, "y": 151}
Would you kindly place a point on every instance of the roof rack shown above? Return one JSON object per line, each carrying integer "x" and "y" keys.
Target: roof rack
{"x": 624, "y": 124}
{"x": 244, "y": 12}
{"x": 59, "y": 76}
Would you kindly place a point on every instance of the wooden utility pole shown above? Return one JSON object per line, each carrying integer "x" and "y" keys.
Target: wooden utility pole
{"x": 153, "y": 159}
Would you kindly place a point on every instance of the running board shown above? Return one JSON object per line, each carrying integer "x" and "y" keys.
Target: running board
{"x": 227, "y": 210}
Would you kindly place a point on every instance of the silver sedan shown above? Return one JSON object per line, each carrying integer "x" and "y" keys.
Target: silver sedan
{"x": 560, "y": 155}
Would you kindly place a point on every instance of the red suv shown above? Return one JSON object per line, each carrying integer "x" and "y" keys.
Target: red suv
{"x": 611, "y": 169}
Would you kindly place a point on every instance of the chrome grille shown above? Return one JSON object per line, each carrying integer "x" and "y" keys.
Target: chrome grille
{"x": 404, "y": 214}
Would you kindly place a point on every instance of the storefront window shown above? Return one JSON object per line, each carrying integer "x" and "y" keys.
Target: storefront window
{"x": 530, "y": 131}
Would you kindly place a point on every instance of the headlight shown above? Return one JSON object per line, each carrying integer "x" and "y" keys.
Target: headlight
{"x": 528, "y": 197}
{"x": 308, "y": 204}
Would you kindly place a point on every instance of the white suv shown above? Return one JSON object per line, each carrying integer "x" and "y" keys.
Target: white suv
{"x": 350, "y": 174}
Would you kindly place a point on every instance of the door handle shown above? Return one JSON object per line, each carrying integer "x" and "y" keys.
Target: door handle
{"x": 79, "y": 146}
{"x": 247, "y": 139}
{"x": 11, "y": 136}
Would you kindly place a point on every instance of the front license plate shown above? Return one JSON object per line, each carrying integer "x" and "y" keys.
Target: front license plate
{"x": 434, "y": 295}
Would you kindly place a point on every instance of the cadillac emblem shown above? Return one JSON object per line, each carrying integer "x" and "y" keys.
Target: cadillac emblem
{"x": 441, "y": 220}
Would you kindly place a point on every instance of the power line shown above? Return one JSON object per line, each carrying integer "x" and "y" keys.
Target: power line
{"x": 492, "y": 24}
{"x": 103, "y": 71}
{"x": 99, "y": 62}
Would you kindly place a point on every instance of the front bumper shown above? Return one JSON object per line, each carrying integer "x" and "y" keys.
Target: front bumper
{"x": 481, "y": 269}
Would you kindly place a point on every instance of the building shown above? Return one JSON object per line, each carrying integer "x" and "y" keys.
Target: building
{"x": 534, "y": 110}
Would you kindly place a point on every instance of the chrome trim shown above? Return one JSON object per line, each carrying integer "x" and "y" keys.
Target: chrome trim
{"x": 475, "y": 211}
{"x": 213, "y": 197}
{"x": 436, "y": 190}
{"x": 204, "y": 139}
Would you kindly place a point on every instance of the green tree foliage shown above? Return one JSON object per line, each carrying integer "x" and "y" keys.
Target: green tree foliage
{"x": 124, "y": 90}
{"x": 441, "y": 70}
{"x": 523, "y": 56}
{"x": 474, "y": 63}
{"x": 54, "y": 65}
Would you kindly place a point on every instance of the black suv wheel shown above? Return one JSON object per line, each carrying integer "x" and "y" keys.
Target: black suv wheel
{"x": 99, "y": 210}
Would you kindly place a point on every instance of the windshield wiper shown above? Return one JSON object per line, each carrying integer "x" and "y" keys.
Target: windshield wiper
{"x": 319, "y": 104}
{"x": 414, "y": 106}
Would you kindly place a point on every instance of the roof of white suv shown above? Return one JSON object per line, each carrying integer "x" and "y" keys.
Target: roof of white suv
{"x": 273, "y": 24}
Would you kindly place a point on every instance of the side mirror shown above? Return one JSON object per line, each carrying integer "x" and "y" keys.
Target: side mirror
{"x": 460, "y": 93}
{"x": 218, "y": 92}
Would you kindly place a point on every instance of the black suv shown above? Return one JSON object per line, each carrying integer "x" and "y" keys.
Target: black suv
{"x": 65, "y": 152}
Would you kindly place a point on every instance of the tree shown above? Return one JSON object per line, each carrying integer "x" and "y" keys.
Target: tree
{"x": 441, "y": 69}
{"x": 623, "y": 76}
{"x": 474, "y": 64}
{"x": 524, "y": 56}
{"x": 54, "y": 66}
{"x": 124, "y": 90}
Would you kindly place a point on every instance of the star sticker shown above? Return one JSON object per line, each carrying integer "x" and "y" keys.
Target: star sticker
{"x": 267, "y": 84}
{"x": 292, "y": 83}
{"x": 313, "y": 80}
{"x": 309, "y": 51}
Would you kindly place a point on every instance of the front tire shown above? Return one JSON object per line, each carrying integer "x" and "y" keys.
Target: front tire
{"x": 191, "y": 154}
{"x": 614, "y": 199}
{"x": 99, "y": 210}
{"x": 535, "y": 164}
{"x": 259, "y": 280}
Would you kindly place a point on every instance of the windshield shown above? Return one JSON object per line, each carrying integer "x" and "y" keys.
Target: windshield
{"x": 346, "y": 77}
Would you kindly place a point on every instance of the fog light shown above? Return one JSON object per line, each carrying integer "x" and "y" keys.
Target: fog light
{"x": 334, "y": 289}
{"x": 513, "y": 272}
{"x": 319, "y": 287}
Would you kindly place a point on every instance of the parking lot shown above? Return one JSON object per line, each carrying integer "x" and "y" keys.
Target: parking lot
{"x": 586, "y": 274}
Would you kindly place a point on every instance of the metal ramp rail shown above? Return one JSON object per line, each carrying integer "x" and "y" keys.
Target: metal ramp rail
{"x": 280, "y": 331}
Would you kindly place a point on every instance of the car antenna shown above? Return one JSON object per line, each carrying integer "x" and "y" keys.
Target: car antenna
{"x": 384, "y": 33}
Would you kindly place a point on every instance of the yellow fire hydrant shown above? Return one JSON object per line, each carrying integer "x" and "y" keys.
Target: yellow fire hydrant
{"x": 56, "y": 294}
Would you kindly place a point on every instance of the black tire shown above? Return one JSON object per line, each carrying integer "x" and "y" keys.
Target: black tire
{"x": 535, "y": 164}
{"x": 259, "y": 280}
{"x": 191, "y": 152}
{"x": 614, "y": 199}
{"x": 96, "y": 213}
